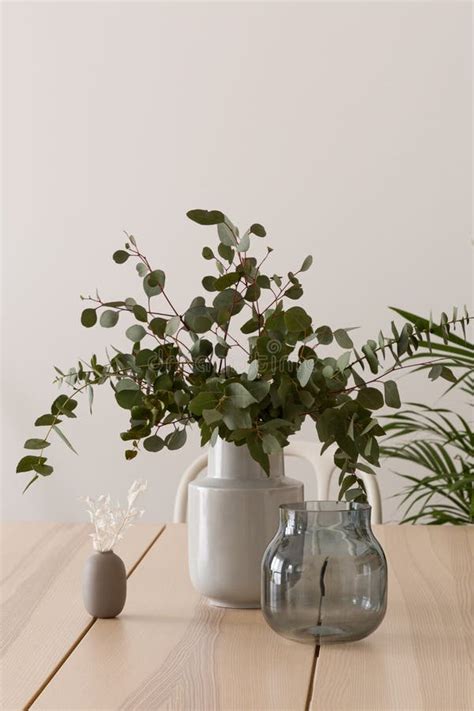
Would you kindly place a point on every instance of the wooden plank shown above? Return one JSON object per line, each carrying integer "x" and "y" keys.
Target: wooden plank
{"x": 419, "y": 658}
{"x": 172, "y": 650}
{"x": 40, "y": 590}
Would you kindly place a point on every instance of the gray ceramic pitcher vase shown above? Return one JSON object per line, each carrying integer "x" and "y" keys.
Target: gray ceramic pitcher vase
{"x": 104, "y": 585}
{"x": 232, "y": 516}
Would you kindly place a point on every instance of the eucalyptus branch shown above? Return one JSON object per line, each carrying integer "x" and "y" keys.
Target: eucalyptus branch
{"x": 165, "y": 384}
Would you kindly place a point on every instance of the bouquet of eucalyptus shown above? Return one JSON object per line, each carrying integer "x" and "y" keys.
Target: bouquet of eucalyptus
{"x": 179, "y": 370}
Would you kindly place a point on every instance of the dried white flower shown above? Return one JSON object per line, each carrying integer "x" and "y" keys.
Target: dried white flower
{"x": 110, "y": 521}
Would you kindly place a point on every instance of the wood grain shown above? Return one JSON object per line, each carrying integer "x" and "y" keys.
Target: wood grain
{"x": 421, "y": 656}
{"x": 42, "y": 611}
{"x": 171, "y": 650}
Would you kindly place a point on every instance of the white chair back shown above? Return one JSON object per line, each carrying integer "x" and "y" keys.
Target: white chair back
{"x": 323, "y": 466}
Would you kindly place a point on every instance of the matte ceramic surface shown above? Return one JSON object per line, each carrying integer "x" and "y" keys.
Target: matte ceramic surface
{"x": 233, "y": 515}
{"x": 104, "y": 585}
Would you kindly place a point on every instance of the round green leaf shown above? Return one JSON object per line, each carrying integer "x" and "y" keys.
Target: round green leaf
{"x": 371, "y": 398}
{"x": 263, "y": 281}
{"x": 108, "y": 319}
{"x": 64, "y": 404}
{"x": 296, "y": 319}
{"x": 258, "y": 230}
{"x": 226, "y": 252}
{"x": 153, "y": 443}
{"x": 206, "y": 217}
{"x": 126, "y": 384}
{"x": 209, "y": 283}
{"x": 36, "y": 443}
{"x": 244, "y": 243}
{"x": 129, "y": 398}
{"x": 140, "y": 313}
{"x": 157, "y": 278}
{"x": 158, "y": 326}
{"x": 203, "y": 401}
{"x": 239, "y": 396}
{"x": 43, "y": 469}
{"x": 343, "y": 339}
{"x": 135, "y": 333}
{"x": 225, "y": 281}
{"x": 307, "y": 263}
{"x": 229, "y": 300}
{"x": 89, "y": 317}
{"x": 47, "y": 420}
{"x": 172, "y": 325}
{"x": 392, "y": 396}
{"x": 27, "y": 463}
{"x": 207, "y": 253}
{"x": 226, "y": 235}
{"x": 120, "y": 256}
{"x": 324, "y": 335}
{"x": 304, "y": 372}
{"x": 199, "y": 319}
{"x": 176, "y": 439}
{"x": 294, "y": 292}
{"x": 253, "y": 292}
{"x": 154, "y": 283}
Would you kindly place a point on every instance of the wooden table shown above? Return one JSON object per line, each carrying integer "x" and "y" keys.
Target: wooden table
{"x": 169, "y": 649}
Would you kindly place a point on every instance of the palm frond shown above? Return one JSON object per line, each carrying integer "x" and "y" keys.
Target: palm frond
{"x": 436, "y": 440}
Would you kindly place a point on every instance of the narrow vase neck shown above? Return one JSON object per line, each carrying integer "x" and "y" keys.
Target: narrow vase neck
{"x": 228, "y": 461}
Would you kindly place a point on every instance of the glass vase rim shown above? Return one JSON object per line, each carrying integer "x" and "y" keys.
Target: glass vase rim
{"x": 324, "y": 506}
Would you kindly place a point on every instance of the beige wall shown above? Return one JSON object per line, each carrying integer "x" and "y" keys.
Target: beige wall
{"x": 344, "y": 128}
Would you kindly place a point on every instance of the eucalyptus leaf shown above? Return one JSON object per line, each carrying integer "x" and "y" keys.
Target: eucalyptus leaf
{"x": 120, "y": 256}
{"x": 270, "y": 444}
{"x": 140, "y": 313}
{"x": 258, "y": 230}
{"x": 153, "y": 443}
{"x": 392, "y": 396}
{"x": 226, "y": 235}
{"x": 35, "y": 443}
{"x": 211, "y": 416}
{"x": 89, "y": 317}
{"x": 296, "y": 319}
{"x": 370, "y": 398}
{"x": 252, "y": 372}
{"x": 239, "y": 396}
{"x": 253, "y": 292}
{"x": 244, "y": 243}
{"x": 108, "y": 319}
{"x": 203, "y": 401}
{"x": 154, "y": 283}
{"x": 62, "y": 436}
{"x": 304, "y": 372}
{"x": 225, "y": 281}
{"x": 209, "y": 283}
{"x": 176, "y": 439}
{"x": 135, "y": 333}
{"x": 206, "y": 217}
{"x": 142, "y": 269}
{"x": 47, "y": 420}
{"x": 172, "y": 325}
{"x": 158, "y": 326}
{"x": 27, "y": 463}
{"x": 343, "y": 339}
{"x": 207, "y": 253}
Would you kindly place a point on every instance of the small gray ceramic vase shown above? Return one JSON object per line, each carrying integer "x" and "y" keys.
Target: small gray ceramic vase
{"x": 104, "y": 585}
